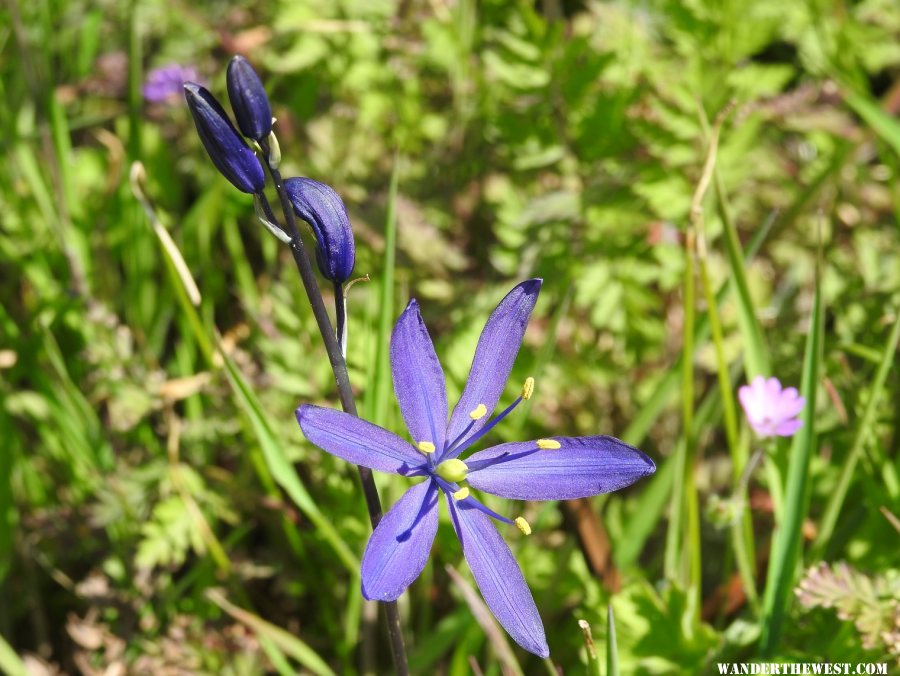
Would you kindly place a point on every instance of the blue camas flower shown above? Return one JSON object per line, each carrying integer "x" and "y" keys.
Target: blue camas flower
{"x": 248, "y": 99}
{"x": 555, "y": 468}
{"x": 228, "y": 151}
{"x": 321, "y": 207}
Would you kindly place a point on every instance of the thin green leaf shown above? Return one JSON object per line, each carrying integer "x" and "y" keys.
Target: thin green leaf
{"x": 887, "y": 128}
{"x": 612, "y": 649}
{"x": 10, "y": 662}
{"x": 788, "y": 536}
{"x": 756, "y": 356}
{"x": 379, "y": 394}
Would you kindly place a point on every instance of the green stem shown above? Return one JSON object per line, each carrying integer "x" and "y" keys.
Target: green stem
{"x": 340, "y": 314}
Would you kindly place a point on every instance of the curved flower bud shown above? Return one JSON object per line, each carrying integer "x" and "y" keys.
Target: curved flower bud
{"x": 228, "y": 151}
{"x": 248, "y": 99}
{"x": 321, "y": 207}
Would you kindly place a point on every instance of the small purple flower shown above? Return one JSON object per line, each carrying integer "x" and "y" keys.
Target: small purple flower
{"x": 164, "y": 84}
{"x": 555, "y": 468}
{"x": 320, "y": 206}
{"x": 771, "y": 410}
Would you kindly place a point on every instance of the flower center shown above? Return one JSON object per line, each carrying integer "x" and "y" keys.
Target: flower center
{"x": 453, "y": 470}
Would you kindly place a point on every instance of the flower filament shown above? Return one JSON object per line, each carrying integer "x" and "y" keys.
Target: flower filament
{"x": 460, "y": 444}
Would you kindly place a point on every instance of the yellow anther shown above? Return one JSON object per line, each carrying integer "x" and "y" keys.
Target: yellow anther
{"x": 461, "y": 494}
{"x": 548, "y": 444}
{"x": 528, "y": 388}
{"x": 454, "y": 470}
{"x": 523, "y": 525}
{"x": 479, "y": 412}
{"x": 425, "y": 447}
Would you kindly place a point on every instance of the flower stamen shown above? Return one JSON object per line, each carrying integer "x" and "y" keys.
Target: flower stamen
{"x": 523, "y": 525}
{"x": 461, "y": 494}
{"x": 548, "y": 444}
{"x": 479, "y": 412}
{"x": 426, "y": 447}
{"x": 528, "y": 388}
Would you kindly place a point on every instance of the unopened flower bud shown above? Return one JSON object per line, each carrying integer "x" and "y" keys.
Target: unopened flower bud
{"x": 321, "y": 207}
{"x": 248, "y": 99}
{"x": 228, "y": 151}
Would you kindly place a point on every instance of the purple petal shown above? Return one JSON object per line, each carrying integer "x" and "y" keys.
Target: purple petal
{"x": 499, "y": 577}
{"x": 497, "y": 348}
{"x": 747, "y": 395}
{"x": 579, "y": 468}
{"x": 229, "y": 153}
{"x": 788, "y": 428}
{"x": 401, "y": 543}
{"x": 320, "y": 206}
{"x": 418, "y": 378}
{"x": 790, "y": 404}
{"x": 357, "y": 441}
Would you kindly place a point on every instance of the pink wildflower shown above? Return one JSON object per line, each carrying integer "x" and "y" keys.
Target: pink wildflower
{"x": 771, "y": 410}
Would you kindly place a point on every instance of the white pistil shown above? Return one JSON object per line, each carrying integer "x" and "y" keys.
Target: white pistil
{"x": 453, "y": 470}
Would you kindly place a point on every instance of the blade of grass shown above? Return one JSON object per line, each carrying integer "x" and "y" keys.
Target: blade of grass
{"x": 379, "y": 395}
{"x": 863, "y": 430}
{"x": 874, "y": 115}
{"x": 756, "y": 356}
{"x": 288, "y": 643}
{"x": 612, "y": 649}
{"x": 276, "y": 657}
{"x": 10, "y": 662}
{"x": 787, "y": 537}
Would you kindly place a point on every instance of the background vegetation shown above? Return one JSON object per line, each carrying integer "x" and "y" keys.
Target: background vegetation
{"x": 160, "y": 512}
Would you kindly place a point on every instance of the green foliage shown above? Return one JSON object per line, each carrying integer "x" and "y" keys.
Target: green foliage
{"x": 154, "y": 489}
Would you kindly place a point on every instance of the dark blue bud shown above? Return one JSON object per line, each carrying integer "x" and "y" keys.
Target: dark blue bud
{"x": 228, "y": 151}
{"x": 321, "y": 207}
{"x": 248, "y": 100}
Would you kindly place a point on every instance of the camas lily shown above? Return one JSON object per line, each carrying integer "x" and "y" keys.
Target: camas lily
{"x": 555, "y": 468}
